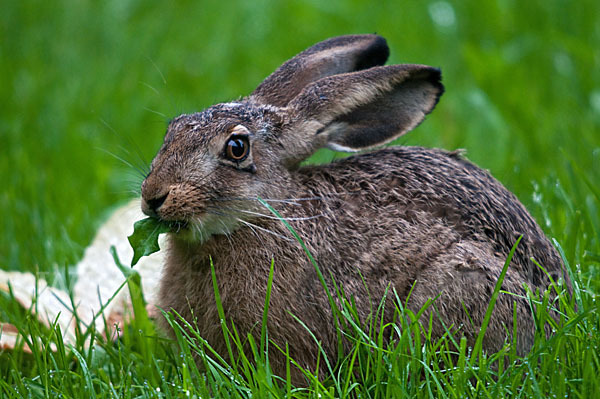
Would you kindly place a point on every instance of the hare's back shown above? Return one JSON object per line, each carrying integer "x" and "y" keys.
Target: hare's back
{"x": 420, "y": 187}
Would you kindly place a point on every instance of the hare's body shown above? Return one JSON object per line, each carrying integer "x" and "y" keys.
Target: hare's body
{"x": 406, "y": 218}
{"x": 406, "y": 227}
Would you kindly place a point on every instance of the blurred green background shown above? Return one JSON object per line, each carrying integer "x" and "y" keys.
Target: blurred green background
{"x": 81, "y": 80}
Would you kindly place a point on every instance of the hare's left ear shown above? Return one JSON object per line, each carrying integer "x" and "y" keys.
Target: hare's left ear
{"x": 354, "y": 111}
{"x": 330, "y": 57}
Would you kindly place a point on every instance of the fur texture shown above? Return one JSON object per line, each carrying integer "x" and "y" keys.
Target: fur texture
{"x": 399, "y": 217}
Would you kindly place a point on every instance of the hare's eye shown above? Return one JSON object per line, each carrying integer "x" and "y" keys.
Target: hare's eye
{"x": 237, "y": 148}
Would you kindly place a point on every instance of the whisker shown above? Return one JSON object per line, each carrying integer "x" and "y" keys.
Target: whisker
{"x": 158, "y": 70}
{"x": 132, "y": 192}
{"x": 270, "y": 216}
{"x": 256, "y": 234}
{"x": 227, "y": 235}
{"x": 265, "y": 230}
{"x": 133, "y": 144}
{"x": 290, "y": 201}
{"x": 153, "y": 111}
{"x": 213, "y": 212}
{"x": 293, "y": 201}
{"x": 141, "y": 164}
{"x": 139, "y": 170}
{"x": 150, "y": 87}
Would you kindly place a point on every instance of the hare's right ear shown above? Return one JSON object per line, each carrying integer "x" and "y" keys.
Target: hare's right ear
{"x": 359, "y": 110}
{"x": 330, "y": 57}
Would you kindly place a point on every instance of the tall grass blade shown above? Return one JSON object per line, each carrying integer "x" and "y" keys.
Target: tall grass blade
{"x": 477, "y": 349}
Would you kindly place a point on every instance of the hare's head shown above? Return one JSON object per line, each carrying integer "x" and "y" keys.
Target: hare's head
{"x": 214, "y": 164}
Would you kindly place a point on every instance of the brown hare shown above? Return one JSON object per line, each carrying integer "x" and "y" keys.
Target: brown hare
{"x": 407, "y": 218}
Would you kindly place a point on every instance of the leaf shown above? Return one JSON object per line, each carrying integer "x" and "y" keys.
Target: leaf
{"x": 144, "y": 239}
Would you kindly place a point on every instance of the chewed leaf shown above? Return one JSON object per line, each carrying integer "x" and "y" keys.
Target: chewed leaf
{"x": 144, "y": 239}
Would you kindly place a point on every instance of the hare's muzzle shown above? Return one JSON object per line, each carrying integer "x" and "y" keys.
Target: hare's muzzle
{"x": 153, "y": 197}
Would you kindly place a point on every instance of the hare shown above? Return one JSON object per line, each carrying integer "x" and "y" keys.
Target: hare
{"x": 411, "y": 219}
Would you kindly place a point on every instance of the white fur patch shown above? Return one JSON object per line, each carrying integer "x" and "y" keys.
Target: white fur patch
{"x": 240, "y": 129}
{"x": 340, "y": 148}
{"x": 208, "y": 225}
{"x": 231, "y": 105}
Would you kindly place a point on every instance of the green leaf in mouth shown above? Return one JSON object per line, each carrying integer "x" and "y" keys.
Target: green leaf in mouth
{"x": 144, "y": 239}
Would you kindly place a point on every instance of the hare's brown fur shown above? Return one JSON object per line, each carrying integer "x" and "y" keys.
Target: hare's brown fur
{"x": 401, "y": 217}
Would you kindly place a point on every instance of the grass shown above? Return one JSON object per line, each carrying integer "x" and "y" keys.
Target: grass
{"x": 82, "y": 81}
{"x": 410, "y": 364}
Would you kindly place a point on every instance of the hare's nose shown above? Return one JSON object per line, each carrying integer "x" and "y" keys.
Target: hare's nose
{"x": 155, "y": 203}
{"x": 150, "y": 206}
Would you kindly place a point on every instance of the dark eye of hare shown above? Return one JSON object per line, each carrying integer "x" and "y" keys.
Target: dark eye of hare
{"x": 237, "y": 148}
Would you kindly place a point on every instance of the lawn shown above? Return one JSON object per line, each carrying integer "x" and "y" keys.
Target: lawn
{"x": 89, "y": 87}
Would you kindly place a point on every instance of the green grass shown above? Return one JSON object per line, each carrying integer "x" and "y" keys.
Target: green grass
{"x": 409, "y": 364}
{"x": 83, "y": 80}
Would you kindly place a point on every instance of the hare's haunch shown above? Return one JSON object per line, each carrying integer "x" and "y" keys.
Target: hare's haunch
{"x": 408, "y": 218}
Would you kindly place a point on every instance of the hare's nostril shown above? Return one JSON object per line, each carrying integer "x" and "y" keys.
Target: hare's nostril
{"x": 155, "y": 203}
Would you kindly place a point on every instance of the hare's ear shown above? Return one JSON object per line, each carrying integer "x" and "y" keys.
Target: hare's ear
{"x": 333, "y": 56}
{"x": 363, "y": 109}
